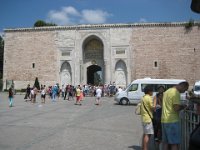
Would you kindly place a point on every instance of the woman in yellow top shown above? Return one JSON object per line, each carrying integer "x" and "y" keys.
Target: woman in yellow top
{"x": 146, "y": 114}
{"x": 78, "y": 95}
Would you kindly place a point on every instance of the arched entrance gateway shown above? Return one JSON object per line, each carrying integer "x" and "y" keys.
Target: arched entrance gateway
{"x": 94, "y": 75}
{"x": 93, "y": 60}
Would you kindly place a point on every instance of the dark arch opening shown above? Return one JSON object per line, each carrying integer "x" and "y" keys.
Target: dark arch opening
{"x": 94, "y": 75}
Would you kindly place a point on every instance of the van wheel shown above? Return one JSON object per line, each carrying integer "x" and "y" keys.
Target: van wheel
{"x": 124, "y": 101}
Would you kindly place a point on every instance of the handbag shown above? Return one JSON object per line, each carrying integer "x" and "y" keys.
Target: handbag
{"x": 138, "y": 109}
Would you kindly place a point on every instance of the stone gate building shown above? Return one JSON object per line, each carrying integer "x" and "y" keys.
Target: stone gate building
{"x": 105, "y": 53}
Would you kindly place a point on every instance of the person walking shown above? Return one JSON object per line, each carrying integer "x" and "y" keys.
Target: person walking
{"x": 43, "y": 94}
{"x": 28, "y": 92}
{"x": 146, "y": 116}
{"x": 35, "y": 94}
{"x": 98, "y": 95}
{"x": 71, "y": 93}
{"x": 171, "y": 106}
{"x": 10, "y": 96}
{"x": 54, "y": 93}
{"x": 63, "y": 91}
{"x": 82, "y": 94}
{"x": 78, "y": 95}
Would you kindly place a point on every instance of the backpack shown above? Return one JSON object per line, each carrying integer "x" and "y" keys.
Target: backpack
{"x": 138, "y": 109}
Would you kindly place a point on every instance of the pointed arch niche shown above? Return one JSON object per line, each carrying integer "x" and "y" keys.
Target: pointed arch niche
{"x": 66, "y": 75}
{"x": 121, "y": 74}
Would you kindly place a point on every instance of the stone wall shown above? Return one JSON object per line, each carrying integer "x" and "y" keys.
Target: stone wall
{"x": 25, "y": 49}
{"x": 175, "y": 50}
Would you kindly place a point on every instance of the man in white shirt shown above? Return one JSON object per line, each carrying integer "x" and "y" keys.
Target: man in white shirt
{"x": 98, "y": 95}
{"x": 119, "y": 89}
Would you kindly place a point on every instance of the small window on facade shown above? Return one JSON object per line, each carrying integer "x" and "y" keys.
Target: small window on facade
{"x": 33, "y": 65}
{"x": 65, "y": 53}
{"x": 120, "y": 51}
{"x": 155, "y": 64}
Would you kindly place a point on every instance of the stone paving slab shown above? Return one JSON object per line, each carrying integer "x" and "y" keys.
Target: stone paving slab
{"x": 61, "y": 125}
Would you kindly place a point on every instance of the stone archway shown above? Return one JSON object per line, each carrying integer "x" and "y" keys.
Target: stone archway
{"x": 66, "y": 77}
{"x": 93, "y": 61}
{"x": 94, "y": 75}
{"x": 121, "y": 74}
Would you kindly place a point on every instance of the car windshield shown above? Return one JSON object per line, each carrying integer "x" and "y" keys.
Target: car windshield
{"x": 127, "y": 87}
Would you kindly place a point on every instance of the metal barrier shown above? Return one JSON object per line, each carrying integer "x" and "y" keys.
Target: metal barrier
{"x": 189, "y": 120}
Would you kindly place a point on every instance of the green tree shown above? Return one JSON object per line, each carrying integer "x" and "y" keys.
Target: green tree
{"x": 41, "y": 23}
{"x": 37, "y": 84}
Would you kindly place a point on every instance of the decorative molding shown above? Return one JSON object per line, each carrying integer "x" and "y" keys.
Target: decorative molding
{"x": 98, "y": 26}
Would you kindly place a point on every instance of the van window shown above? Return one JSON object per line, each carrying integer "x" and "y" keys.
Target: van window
{"x": 144, "y": 85}
{"x": 133, "y": 87}
{"x": 196, "y": 88}
{"x": 156, "y": 86}
{"x": 169, "y": 86}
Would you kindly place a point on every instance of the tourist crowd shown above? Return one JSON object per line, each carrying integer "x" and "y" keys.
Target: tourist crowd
{"x": 69, "y": 92}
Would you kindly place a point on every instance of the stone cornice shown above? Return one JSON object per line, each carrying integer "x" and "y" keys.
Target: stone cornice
{"x": 98, "y": 26}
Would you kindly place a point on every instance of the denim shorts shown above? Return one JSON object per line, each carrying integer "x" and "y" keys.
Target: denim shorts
{"x": 171, "y": 133}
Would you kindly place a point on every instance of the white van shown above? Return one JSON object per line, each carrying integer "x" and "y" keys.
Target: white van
{"x": 134, "y": 91}
{"x": 196, "y": 88}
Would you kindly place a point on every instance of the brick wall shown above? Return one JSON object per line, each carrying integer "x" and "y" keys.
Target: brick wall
{"x": 22, "y": 49}
{"x": 175, "y": 49}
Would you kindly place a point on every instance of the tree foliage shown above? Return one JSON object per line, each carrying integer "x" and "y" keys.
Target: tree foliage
{"x": 37, "y": 84}
{"x": 41, "y": 23}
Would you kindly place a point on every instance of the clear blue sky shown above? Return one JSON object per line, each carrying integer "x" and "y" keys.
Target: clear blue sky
{"x": 24, "y": 13}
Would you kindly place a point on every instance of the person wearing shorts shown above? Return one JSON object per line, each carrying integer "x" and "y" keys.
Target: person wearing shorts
{"x": 171, "y": 105}
{"x": 98, "y": 95}
{"x": 146, "y": 116}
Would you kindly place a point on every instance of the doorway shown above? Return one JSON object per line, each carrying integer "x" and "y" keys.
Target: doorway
{"x": 94, "y": 75}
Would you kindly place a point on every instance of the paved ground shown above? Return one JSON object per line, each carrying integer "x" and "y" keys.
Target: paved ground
{"x": 64, "y": 126}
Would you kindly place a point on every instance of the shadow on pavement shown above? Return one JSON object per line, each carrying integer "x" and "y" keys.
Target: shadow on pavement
{"x": 135, "y": 147}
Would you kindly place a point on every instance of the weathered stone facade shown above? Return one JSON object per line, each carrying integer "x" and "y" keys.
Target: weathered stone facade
{"x": 122, "y": 52}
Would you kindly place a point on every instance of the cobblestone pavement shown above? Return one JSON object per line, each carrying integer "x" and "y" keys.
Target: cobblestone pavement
{"x": 61, "y": 125}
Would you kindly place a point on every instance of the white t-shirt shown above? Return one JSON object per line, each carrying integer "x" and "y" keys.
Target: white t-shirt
{"x": 98, "y": 92}
{"x": 32, "y": 92}
{"x": 43, "y": 92}
{"x": 119, "y": 90}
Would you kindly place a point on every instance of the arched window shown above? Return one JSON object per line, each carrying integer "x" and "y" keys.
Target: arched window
{"x": 121, "y": 74}
{"x": 66, "y": 77}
